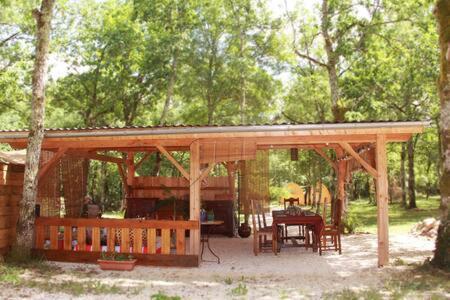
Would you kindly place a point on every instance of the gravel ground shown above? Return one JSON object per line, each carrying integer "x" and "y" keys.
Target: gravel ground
{"x": 293, "y": 274}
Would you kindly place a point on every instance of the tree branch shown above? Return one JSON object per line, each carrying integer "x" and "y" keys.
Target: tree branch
{"x": 311, "y": 59}
{"x": 9, "y": 38}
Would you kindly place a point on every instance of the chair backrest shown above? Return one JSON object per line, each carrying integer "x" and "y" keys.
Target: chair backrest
{"x": 324, "y": 211}
{"x": 291, "y": 201}
{"x": 258, "y": 217}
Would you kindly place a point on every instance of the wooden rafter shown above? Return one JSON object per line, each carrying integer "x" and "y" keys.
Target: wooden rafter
{"x": 206, "y": 171}
{"x": 173, "y": 161}
{"x": 100, "y": 157}
{"x": 147, "y": 155}
{"x": 325, "y": 156}
{"x": 349, "y": 149}
{"x": 55, "y": 158}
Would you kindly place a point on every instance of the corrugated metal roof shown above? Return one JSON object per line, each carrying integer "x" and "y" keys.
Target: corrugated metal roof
{"x": 192, "y": 129}
{"x": 208, "y": 126}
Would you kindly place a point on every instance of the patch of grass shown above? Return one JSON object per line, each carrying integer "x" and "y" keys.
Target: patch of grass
{"x": 162, "y": 296}
{"x": 401, "y": 220}
{"x": 75, "y": 288}
{"x": 240, "y": 290}
{"x": 399, "y": 262}
{"x": 228, "y": 280}
{"x": 348, "y": 294}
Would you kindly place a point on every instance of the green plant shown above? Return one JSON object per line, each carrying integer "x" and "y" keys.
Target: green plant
{"x": 229, "y": 281}
{"x": 162, "y": 296}
{"x": 351, "y": 223}
{"x": 240, "y": 290}
{"x": 116, "y": 256}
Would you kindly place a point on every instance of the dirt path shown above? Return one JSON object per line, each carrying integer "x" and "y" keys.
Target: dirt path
{"x": 294, "y": 274}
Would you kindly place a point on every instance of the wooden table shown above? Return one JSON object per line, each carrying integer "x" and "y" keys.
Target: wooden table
{"x": 280, "y": 217}
{"x": 205, "y": 238}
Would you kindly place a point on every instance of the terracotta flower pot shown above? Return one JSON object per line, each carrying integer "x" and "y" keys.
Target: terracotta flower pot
{"x": 118, "y": 265}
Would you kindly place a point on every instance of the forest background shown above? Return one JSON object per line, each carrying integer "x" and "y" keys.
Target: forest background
{"x": 144, "y": 62}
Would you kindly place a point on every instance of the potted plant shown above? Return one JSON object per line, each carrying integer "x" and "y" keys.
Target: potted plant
{"x": 116, "y": 261}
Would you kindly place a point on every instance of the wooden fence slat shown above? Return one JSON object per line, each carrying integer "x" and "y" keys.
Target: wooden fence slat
{"x": 111, "y": 242}
{"x": 39, "y": 237}
{"x": 181, "y": 241}
{"x": 81, "y": 238}
{"x": 67, "y": 238}
{"x": 117, "y": 223}
{"x": 151, "y": 240}
{"x": 95, "y": 239}
{"x": 165, "y": 241}
{"x": 137, "y": 241}
{"x": 53, "y": 237}
{"x": 125, "y": 240}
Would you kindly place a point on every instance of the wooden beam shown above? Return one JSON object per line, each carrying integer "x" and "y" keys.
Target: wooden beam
{"x": 96, "y": 156}
{"x": 173, "y": 161}
{"x": 205, "y": 172}
{"x": 382, "y": 202}
{"x": 147, "y": 155}
{"x": 366, "y": 165}
{"x": 130, "y": 168}
{"x": 122, "y": 174}
{"x": 55, "y": 158}
{"x": 194, "y": 196}
{"x": 325, "y": 156}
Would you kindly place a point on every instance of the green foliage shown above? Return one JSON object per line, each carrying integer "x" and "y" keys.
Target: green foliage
{"x": 240, "y": 290}
{"x": 351, "y": 223}
{"x": 162, "y": 296}
{"x": 116, "y": 256}
{"x": 400, "y": 220}
{"x": 122, "y": 62}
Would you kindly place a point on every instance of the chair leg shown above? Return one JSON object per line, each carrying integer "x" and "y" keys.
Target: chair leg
{"x": 340, "y": 245}
{"x": 255, "y": 245}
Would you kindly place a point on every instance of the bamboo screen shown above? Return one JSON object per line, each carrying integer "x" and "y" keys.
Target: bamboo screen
{"x": 227, "y": 151}
{"x": 66, "y": 179}
{"x": 73, "y": 174}
{"x": 49, "y": 190}
{"x": 254, "y": 181}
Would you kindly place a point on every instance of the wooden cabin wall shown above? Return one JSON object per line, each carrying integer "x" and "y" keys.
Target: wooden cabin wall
{"x": 11, "y": 185}
{"x": 213, "y": 188}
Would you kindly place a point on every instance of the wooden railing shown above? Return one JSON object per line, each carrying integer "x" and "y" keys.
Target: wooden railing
{"x": 113, "y": 235}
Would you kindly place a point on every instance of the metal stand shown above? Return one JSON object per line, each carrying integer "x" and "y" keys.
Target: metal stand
{"x": 205, "y": 239}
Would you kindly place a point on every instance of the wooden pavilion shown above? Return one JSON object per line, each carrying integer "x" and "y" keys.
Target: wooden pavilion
{"x": 356, "y": 145}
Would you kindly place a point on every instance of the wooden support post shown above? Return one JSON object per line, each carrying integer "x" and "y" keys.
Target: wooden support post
{"x": 382, "y": 202}
{"x": 341, "y": 172}
{"x": 325, "y": 156}
{"x": 130, "y": 168}
{"x": 365, "y": 164}
{"x": 194, "y": 195}
{"x": 174, "y": 161}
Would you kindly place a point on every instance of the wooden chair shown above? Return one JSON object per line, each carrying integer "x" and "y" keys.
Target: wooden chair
{"x": 291, "y": 202}
{"x": 301, "y": 229}
{"x": 332, "y": 231}
{"x": 262, "y": 234}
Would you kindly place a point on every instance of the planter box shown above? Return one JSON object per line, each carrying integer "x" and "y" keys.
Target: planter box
{"x": 118, "y": 265}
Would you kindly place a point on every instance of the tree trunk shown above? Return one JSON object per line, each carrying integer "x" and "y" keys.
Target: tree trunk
{"x": 338, "y": 113}
{"x": 403, "y": 174}
{"x": 442, "y": 253}
{"x": 25, "y": 224}
{"x": 170, "y": 88}
{"x": 411, "y": 175}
